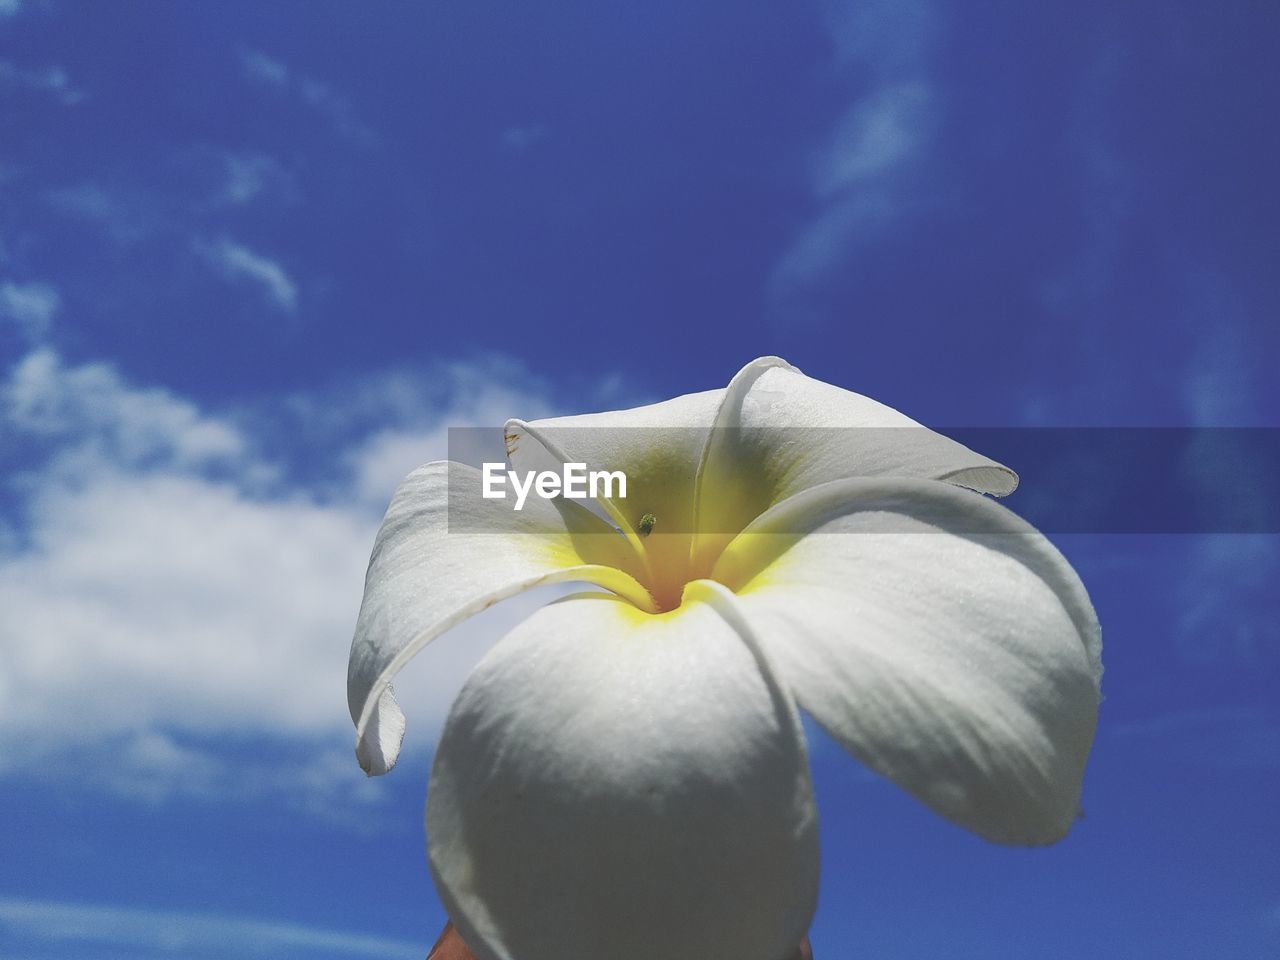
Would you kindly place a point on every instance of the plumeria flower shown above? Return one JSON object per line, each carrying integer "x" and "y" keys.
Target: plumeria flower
{"x": 624, "y": 775}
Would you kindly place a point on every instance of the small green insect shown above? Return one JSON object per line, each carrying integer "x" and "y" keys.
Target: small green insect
{"x": 647, "y": 523}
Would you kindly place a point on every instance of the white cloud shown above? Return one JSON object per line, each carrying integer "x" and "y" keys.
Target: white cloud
{"x": 316, "y": 94}
{"x": 386, "y": 456}
{"x": 238, "y": 262}
{"x": 879, "y": 132}
{"x": 892, "y": 38}
{"x": 248, "y": 176}
{"x": 1221, "y": 384}
{"x": 31, "y": 306}
{"x": 520, "y": 139}
{"x": 93, "y": 417}
{"x": 337, "y": 108}
{"x": 188, "y": 934}
{"x": 165, "y": 592}
{"x": 52, "y": 81}
{"x": 825, "y": 245}
{"x": 1105, "y": 190}
{"x": 168, "y": 593}
{"x": 1236, "y": 735}
{"x": 86, "y": 200}
{"x": 860, "y": 177}
{"x": 863, "y": 177}
{"x": 1217, "y": 390}
{"x": 258, "y": 66}
{"x": 1231, "y": 614}
{"x": 126, "y": 219}
{"x": 10, "y": 8}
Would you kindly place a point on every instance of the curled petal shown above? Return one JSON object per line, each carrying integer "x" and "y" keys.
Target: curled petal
{"x": 942, "y": 640}
{"x": 657, "y": 446}
{"x": 615, "y": 784}
{"x": 424, "y": 578}
{"x": 778, "y": 432}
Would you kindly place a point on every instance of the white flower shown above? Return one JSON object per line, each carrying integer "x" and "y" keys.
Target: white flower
{"x": 624, "y": 775}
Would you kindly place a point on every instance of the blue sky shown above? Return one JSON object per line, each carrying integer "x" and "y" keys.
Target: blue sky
{"x": 256, "y": 258}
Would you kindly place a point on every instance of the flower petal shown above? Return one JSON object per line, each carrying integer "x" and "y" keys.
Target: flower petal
{"x": 940, "y": 638}
{"x": 657, "y": 446}
{"x": 836, "y": 434}
{"x": 424, "y": 578}
{"x": 778, "y": 432}
{"x": 615, "y": 784}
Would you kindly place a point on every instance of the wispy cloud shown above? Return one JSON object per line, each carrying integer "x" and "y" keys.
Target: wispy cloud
{"x": 521, "y": 139}
{"x": 314, "y": 777}
{"x": 879, "y": 132}
{"x": 321, "y": 97}
{"x": 249, "y": 176}
{"x": 52, "y": 81}
{"x": 1105, "y": 187}
{"x": 1221, "y": 385}
{"x": 10, "y": 8}
{"x": 1231, "y": 614}
{"x": 124, "y": 216}
{"x": 1271, "y": 918}
{"x": 31, "y": 307}
{"x": 889, "y": 37}
{"x": 1238, "y": 735}
{"x": 238, "y": 263}
{"x": 258, "y": 66}
{"x": 861, "y": 176}
{"x": 855, "y": 176}
{"x": 89, "y": 413}
{"x": 164, "y": 933}
{"x": 1217, "y": 386}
